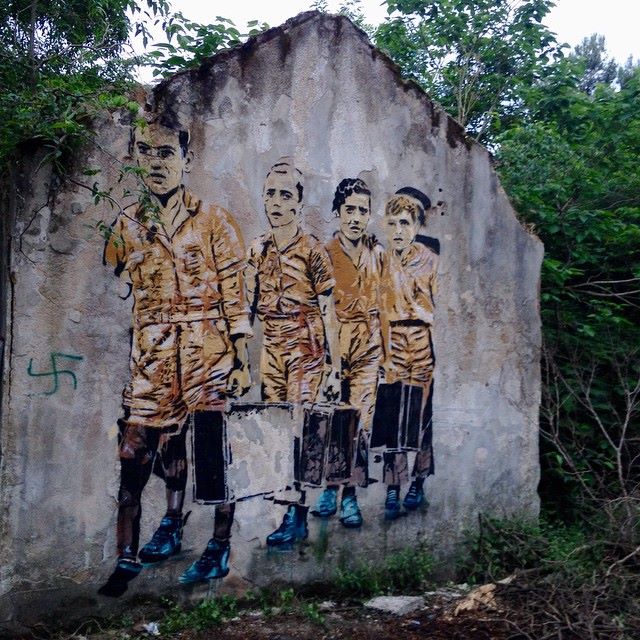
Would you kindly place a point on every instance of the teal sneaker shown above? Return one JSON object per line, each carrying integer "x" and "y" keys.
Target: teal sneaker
{"x": 293, "y": 528}
{"x": 327, "y": 504}
{"x": 414, "y": 498}
{"x": 350, "y": 515}
{"x": 392, "y": 505}
{"x": 165, "y": 542}
{"x": 213, "y": 563}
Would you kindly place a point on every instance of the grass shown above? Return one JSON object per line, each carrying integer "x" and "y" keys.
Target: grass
{"x": 206, "y": 614}
{"x": 405, "y": 571}
{"x": 501, "y": 547}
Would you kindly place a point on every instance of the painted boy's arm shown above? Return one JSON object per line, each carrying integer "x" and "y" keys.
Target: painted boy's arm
{"x": 252, "y": 288}
{"x": 424, "y": 275}
{"x": 114, "y": 247}
{"x": 331, "y": 330}
{"x": 240, "y": 377}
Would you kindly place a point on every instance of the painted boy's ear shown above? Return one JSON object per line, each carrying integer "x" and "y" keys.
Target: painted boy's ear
{"x": 188, "y": 159}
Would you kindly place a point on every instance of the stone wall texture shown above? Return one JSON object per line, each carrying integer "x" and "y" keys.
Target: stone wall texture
{"x": 314, "y": 90}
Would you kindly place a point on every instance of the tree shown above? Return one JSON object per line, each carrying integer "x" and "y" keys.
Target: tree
{"x": 59, "y": 61}
{"x": 190, "y": 43}
{"x": 351, "y": 9}
{"x": 566, "y": 140}
{"x": 472, "y": 56}
{"x": 572, "y": 171}
{"x": 597, "y": 68}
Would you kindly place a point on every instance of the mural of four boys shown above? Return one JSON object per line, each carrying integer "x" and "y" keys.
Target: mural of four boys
{"x": 347, "y": 336}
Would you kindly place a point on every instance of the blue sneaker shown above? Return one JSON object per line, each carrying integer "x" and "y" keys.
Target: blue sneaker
{"x": 165, "y": 542}
{"x": 327, "y": 504}
{"x": 414, "y": 498}
{"x": 350, "y": 515}
{"x": 213, "y": 563}
{"x": 292, "y": 529}
{"x": 392, "y": 505}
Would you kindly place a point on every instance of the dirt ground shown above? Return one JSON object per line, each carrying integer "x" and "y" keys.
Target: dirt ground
{"x": 356, "y": 625}
{"x": 436, "y": 620}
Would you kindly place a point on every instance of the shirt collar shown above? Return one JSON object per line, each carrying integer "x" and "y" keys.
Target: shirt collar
{"x": 270, "y": 240}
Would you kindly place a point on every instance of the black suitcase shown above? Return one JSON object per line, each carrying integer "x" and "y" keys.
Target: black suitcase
{"x": 397, "y": 419}
{"x": 210, "y": 457}
{"x": 328, "y": 444}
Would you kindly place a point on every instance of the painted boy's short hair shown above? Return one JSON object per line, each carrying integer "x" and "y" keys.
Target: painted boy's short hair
{"x": 346, "y": 188}
{"x": 168, "y": 119}
{"x": 285, "y": 165}
{"x": 399, "y": 203}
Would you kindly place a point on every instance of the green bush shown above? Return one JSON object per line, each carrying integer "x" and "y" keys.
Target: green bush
{"x": 405, "y": 571}
{"x": 501, "y": 547}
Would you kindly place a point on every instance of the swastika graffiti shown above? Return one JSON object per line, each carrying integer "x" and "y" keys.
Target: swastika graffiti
{"x": 55, "y": 373}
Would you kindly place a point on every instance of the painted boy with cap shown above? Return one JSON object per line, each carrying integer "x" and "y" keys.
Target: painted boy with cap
{"x": 409, "y": 287}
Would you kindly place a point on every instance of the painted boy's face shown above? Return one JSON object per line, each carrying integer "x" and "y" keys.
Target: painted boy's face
{"x": 281, "y": 198}
{"x": 354, "y": 216}
{"x": 401, "y": 230}
{"x": 157, "y": 150}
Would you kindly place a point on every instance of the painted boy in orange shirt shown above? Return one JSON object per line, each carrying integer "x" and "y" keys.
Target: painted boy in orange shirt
{"x": 357, "y": 265}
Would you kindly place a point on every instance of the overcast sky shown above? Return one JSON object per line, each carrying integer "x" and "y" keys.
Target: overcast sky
{"x": 571, "y": 20}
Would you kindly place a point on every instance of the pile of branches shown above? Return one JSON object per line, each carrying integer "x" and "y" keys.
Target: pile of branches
{"x": 607, "y": 606}
{"x": 562, "y": 585}
{"x": 594, "y": 594}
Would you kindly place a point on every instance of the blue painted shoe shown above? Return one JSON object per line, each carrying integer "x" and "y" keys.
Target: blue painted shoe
{"x": 392, "y": 505}
{"x": 414, "y": 498}
{"x": 292, "y": 529}
{"x": 327, "y": 504}
{"x": 213, "y": 563}
{"x": 350, "y": 515}
{"x": 126, "y": 570}
{"x": 165, "y": 542}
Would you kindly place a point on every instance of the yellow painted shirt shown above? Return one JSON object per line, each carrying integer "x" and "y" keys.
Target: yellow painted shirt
{"x": 357, "y": 290}
{"x": 410, "y": 283}
{"x": 196, "y": 274}
{"x": 290, "y": 281}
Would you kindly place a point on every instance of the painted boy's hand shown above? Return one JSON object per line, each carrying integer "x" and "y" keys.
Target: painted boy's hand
{"x": 387, "y": 372}
{"x": 331, "y": 385}
{"x": 239, "y": 381}
{"x": 134, "y": 259}
{"x": 240, "y": 377}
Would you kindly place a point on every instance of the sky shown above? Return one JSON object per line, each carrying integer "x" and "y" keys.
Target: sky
{"x": 571, "y": 20}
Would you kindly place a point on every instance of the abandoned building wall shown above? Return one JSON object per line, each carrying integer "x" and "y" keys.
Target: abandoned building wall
{"x": 266, "y": 212}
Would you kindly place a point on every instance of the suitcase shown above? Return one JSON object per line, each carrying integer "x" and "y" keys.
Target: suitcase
{"x": 328, "y": 444}
{"x": 245, "y": 452}
{"x": 397, "y": 418}
{"x": 262, "y": 441}
{"x": 209, "y": 457}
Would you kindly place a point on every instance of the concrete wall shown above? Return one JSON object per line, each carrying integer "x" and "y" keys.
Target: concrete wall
{"x": 316, "y": 91}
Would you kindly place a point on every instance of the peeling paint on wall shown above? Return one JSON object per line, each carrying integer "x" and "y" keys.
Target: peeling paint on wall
{"x": 297, "y": 235}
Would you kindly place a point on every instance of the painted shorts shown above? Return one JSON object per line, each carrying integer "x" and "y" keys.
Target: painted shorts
{"x": 412, "y": 357}
{"x": 292, "y": 361}
{"x": 177, "y": 368}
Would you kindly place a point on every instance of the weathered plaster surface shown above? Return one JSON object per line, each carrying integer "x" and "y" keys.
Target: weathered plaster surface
{"x": 317, "y": 91}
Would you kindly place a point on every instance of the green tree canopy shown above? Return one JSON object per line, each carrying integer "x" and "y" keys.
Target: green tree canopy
{"x": 472, "y": 56}
{"x": 58, "y": 61}
{"x": 572, "y": 171}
